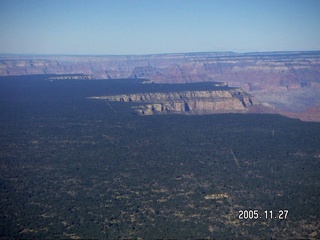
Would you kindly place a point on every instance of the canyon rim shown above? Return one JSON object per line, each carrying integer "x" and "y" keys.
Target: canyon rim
{"x": 286, "y": 82}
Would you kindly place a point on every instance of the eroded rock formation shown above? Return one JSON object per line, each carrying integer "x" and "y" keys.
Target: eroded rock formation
{"x": 72, "y": 77}
{"x": 189, "y": 102}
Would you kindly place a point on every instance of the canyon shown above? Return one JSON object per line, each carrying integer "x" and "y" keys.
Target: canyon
{"x": 286, "y": 82}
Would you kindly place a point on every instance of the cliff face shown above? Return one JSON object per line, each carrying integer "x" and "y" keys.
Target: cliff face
{"x": 189, "y": 102}
{"x": 287, "y": 81}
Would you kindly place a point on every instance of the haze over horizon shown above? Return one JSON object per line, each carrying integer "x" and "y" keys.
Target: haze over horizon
{"x": 80, "y": 27}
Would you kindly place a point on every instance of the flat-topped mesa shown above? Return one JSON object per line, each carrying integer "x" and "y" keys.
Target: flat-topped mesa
{"x": 189, "y": 102}
{"x": 72, "y": 77}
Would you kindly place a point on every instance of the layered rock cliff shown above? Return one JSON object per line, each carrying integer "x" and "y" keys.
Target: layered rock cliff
{"x": 288, "y": 81}
{"x": 189, "y": 102}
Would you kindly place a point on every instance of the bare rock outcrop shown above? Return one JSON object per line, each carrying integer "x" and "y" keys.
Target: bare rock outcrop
{"x": 189, "y": 102}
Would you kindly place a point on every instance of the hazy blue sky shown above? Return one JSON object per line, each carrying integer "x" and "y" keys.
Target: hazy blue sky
{"x": 157, "y": 26}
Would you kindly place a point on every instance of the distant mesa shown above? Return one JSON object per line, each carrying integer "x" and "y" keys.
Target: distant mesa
{"x": 230, "y": 100}
{"x": 72, "y": 77}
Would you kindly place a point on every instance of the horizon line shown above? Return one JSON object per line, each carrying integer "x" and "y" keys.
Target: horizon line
{"x": 151, "y": 54}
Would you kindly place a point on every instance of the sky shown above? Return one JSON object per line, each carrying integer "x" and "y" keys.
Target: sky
{"x": 122, "y": 27}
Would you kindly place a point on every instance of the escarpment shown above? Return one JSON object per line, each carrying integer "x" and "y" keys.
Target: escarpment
{"x": 189, "y": 102}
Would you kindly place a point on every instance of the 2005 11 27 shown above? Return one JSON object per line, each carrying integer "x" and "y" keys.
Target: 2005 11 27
{"x": 266, "y": 214}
